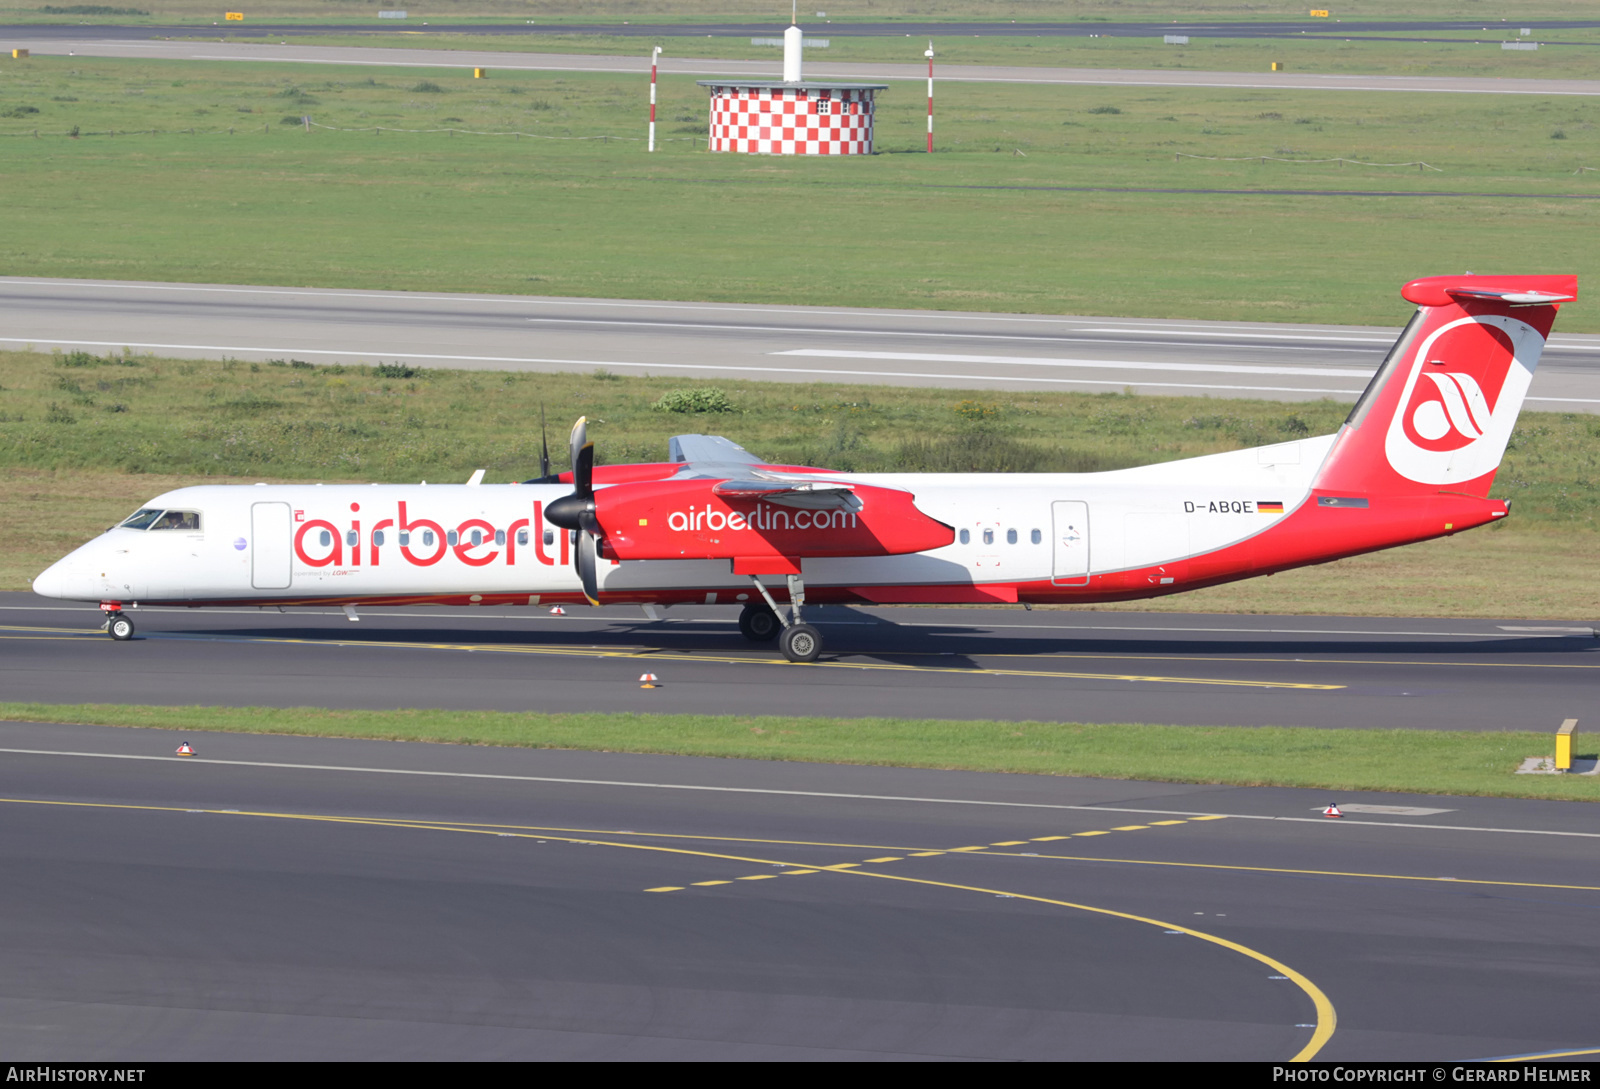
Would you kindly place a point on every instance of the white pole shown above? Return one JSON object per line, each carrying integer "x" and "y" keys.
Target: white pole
{"x": 654, "y": 53}
{"x": 929, "y": 55}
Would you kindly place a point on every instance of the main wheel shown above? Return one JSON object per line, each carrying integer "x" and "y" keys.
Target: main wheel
{"x": 121, "y": 628}
{"x": 759, "y": 623}
{"x": 800, "y": 643}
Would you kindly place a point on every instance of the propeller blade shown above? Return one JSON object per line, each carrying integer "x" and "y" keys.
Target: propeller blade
{"x": 582, "y": 458}
{"x": 586, "y": 561}
{"x": 544, "y": 446}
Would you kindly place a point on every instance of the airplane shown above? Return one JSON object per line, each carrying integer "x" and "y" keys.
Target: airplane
{"x": 716, "y": 525}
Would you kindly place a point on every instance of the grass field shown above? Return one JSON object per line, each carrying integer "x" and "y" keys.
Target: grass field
{"x": 1032, "y": 203}
{"x": 1412, "y": 761}
{"x": 82, "y": 445}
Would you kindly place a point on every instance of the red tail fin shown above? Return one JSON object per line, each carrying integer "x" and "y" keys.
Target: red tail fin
{"x": 1439, "y": 411}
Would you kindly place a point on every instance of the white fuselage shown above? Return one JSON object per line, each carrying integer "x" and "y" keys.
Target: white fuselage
{"x": 353, "y": 543}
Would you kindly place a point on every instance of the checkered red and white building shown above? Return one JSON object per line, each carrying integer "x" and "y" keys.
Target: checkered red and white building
{"x": 768, "y": 118}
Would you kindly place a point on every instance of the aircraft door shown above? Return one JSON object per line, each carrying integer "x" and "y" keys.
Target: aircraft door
{"x": 1071, "y": 535}
{"x": 271, "y": 530}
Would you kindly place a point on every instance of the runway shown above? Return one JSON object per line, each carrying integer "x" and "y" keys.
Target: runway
{"x": 294, "y": 898}
{"x": 720, "y": 340}
{"x": 953, "y": 663}
{"x": 42, "y": 43}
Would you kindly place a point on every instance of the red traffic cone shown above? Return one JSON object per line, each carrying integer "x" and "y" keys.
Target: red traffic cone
{"x": 647, "y": 680}
{"x": 1332, "y": 811}
{"x": 556, "y": 610}
{"x": 185, "y": 749}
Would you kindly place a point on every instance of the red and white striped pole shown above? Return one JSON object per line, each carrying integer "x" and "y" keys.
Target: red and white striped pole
{"x": 654, "y": 53}
{"x": 929, "y": 55}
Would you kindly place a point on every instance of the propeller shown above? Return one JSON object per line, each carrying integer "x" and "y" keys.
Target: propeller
{"x": 545, "y": 475}
{"x": 576, "y": 511}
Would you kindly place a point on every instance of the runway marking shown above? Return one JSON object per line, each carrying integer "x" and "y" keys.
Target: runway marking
{"x": 1191, "y": 815}
{"x": 1327, "y": 1018}
{"x": 1534, "y": 1056}
{"x": 1361, "y": 375}
{"x": 657, "y": 655}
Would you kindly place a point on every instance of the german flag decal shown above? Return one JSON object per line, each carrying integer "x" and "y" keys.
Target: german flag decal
{"x": 1269, "y": 506}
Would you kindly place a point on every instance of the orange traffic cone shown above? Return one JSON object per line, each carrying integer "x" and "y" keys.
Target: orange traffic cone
{"x": 556, "y": 610}
{"x": 185, "y": 749}
{"x": 647, "y": 680}
{"x": 1332, "y": 811}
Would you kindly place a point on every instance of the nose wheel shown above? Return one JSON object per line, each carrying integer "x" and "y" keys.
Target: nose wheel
{"x": 119, "y": 627}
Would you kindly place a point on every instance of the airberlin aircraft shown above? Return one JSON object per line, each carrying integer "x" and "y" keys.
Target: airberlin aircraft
{"x": 716, "y": 525}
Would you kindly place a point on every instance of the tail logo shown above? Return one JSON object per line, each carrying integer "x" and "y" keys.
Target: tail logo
{"x": 1461, "y": 398}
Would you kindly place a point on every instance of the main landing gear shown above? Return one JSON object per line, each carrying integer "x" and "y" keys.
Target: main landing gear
{"x": 117, "y": 625}
{"x": 798, "y": 641}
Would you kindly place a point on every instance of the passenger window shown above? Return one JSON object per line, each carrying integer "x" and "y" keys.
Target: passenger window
{"x": 988, "y": 536}
{"x": 377, "y": 539}
{"x": 966, "y": 537}
{"x": 549, "y": 537}
{"x": 427, "y": 538}
{"x": 477, "y": 537}
{"x": 142, "y": 519}
{"x": 522, "y": 536}
{"x": 325, "y": 538}
{"x": 350, "y": 538}
{"x": 178, "y": 519}
{"x": 499, "y": 536}
{"x": 1036, "y": 537}
{"x": 451, "y": 538}
{"x": 405, "y": 540}
{"x": 1011, "y": 536}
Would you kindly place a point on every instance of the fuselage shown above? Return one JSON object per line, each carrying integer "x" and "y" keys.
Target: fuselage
{"x": 1014, "y": 537}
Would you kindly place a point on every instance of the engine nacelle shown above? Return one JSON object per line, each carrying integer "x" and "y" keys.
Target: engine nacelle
{"x": 686, "y": 520}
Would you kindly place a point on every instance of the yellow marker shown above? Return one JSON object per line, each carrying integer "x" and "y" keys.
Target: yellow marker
{"x": 1047, "y": 839}
{"x": 759, "y": 877}
{"x": 1154, "y": 823}
{"x": 1319, "y": 13}
{"x": 1213, "y": 817}
{"x": 969, "y": 848}
{"x": 234, "y": 16}
{"x": 644, "y": 521}
{"x": 1091, "y": 833}
{"x": 890, "y": 859}
{"x": 796, "y": 873}
{"x": 925, "y": 854}
{"x": 667, "y": 888}
{"x": 19, "y": 54}
{"x": 1564, "y": 744}
{"x": 713, "y": 882}
{"x": 1130, "y": 828}
{"x": 1009, "y": 843}
{"x": 842, "y": 866}
{"x": 483, "y": 73}
{"x": 1277, "y": 66}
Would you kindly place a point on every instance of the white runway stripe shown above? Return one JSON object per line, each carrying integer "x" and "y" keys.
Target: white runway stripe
{"x": 1352, "y": 373}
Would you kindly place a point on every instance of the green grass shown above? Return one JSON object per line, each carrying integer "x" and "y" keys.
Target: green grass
{"x": 82, "y": 445}
{"x": 1004, "y": 217}
{"x": 1409, "y": 761}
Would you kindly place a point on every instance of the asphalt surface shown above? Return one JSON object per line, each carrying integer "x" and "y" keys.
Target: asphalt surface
{"x": 34, "y": 40}
{"x": 1011, "y": 29}
{"x": 953, "y": 663}
{"x": 295, "y": 898}
{"x": 719, "y": 340}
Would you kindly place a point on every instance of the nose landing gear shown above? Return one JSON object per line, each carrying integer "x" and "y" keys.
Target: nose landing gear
{"x": 117, "y": 625}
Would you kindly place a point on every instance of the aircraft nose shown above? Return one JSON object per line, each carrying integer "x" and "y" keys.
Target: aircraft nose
{"x": 51, "y": 582}
{"x": 66, "y": 579}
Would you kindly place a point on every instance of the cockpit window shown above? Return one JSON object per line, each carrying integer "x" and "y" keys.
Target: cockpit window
{"x": 178, "y": 519}
{"x": 141, "y": 519}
